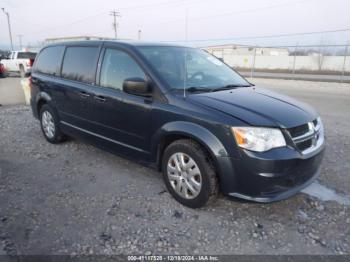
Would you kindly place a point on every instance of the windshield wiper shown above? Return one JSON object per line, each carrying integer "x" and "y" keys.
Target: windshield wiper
{"x": 228, "y": 87}
{"x": 194, "y": 89}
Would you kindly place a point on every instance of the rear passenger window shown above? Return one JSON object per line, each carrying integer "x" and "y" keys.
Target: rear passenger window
{"x": 118, "y": 66}
{"x": 79, "y": 64}
{"x": 49, "y": 60}
{"x": 26, "y": 55}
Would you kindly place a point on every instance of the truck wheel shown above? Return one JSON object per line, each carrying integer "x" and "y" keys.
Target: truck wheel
{"x": 21, "y": 71}
{"x": 49, "y": 125}
{"x": 189, "y": 174}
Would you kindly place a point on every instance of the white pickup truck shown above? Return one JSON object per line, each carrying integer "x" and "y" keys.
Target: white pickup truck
{"x": 19, "y": 61}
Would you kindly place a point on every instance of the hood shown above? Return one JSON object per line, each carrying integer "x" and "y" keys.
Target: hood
{"x": 257, "y": 106}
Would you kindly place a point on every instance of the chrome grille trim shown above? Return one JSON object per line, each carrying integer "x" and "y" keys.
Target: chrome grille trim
{"x": 314, "y": 147}
{"x": 315, "y": 135}
{"x": 304, "y": 137}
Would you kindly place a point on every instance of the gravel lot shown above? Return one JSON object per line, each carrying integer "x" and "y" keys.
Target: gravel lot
{"x": 75, "y": 199}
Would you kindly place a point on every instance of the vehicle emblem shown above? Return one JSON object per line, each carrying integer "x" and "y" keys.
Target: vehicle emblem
{"x": 315, "y": 135}
{"x": 311, "y": 126}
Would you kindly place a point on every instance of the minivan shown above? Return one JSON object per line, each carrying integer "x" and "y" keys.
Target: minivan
{"x": 182, "y": 111}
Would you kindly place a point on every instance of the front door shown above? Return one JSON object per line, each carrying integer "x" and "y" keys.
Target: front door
{"x": 124, "y": 118}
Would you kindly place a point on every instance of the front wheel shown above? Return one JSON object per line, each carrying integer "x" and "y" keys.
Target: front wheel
{"x": 189, "y": 174}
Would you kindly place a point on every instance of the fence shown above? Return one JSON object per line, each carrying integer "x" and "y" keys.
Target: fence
{"x": 323, "y": 62}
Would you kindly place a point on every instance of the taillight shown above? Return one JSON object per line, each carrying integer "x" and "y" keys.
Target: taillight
{"x": 30, "y": 62}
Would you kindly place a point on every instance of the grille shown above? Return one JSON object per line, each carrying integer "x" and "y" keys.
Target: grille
{"x": 307, "y": 136}
{"x": 304, "y": 145}
{"x": 299, "y": 130}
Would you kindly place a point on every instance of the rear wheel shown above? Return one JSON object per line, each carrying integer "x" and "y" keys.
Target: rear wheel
{"x": 49, "y": 125}
{"x": 189, "y": 174}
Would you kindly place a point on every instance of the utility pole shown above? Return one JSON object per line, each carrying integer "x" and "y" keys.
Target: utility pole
{"x": 115, "y": 14}
{"x": 295, "y": 57}
{"x": 139, "y": 34}
{"x": 344, "y": 62}
{"x": 9, "y": 26}
{"x": 253, "y": 64}
{"x": 20, "y": 41}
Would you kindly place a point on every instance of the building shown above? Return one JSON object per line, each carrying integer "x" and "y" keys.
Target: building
{"x": 232, "y": 49}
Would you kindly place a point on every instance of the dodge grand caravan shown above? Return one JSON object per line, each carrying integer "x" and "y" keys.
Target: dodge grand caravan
{"x": 183, "y": 111}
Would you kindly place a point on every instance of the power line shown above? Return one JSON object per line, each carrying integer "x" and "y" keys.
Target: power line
{"x": 233, "y": 13}
{"x": 69, "y": 24}
{"x": 253, "y": 9}
{"x": 263, "y": 36}
{"x": 152, "y": 5}
{"x": 103, "y": 13}
{"x": 220, "y": 15}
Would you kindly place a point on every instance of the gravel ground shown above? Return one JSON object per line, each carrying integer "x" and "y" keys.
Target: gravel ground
{"x": 73, "y": 198}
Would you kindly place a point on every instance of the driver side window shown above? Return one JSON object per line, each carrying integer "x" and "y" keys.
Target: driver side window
{"x": 118, "y": 66}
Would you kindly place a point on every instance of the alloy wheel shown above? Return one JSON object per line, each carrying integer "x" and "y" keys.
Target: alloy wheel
{"x": 48, "y": 124}
{"x": 184, "y": 175}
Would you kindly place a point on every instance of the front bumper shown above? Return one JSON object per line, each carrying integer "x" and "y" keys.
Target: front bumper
{"x": 273, "y": 175}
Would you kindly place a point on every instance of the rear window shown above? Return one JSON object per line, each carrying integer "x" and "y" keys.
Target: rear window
{"x": 26, "y": 55}
{"x": 79, "y": 64}
{"x": 49, "y": 60}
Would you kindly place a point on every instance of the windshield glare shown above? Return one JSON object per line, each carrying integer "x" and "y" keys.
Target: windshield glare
{"x": 201, "y": 69}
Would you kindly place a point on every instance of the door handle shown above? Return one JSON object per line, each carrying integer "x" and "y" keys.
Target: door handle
{"x": 84, "y": 94}
{"x": 100, "y": 98}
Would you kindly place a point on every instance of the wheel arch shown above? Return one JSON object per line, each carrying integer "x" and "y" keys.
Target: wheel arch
{"x": 41, "y": 99}
{"x": 173, "y": 131}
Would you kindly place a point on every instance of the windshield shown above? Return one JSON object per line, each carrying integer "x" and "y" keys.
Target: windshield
{"x": 203, "y": 71}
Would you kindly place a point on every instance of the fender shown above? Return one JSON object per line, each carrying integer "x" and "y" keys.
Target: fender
{"x": 206, "y": 138}
{"x": 195, "y": 131}
{"x": 41, "y": 96}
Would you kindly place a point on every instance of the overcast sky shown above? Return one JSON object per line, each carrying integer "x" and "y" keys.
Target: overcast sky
{"x": 164, "y": 20}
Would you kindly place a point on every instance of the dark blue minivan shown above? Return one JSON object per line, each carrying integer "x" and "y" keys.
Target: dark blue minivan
{"x": 181, "y": 110}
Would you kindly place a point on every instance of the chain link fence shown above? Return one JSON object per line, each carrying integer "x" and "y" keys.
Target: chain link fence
{"x": 308, "y": 62}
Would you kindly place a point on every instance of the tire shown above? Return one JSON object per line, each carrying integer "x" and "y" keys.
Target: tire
{"x": 49, "y": 122}
{"x": 195, "y": 158}
{"x": 22, "y": 73}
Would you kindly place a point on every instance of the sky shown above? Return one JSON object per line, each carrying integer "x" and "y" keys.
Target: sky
{"x": 209, "y": 22}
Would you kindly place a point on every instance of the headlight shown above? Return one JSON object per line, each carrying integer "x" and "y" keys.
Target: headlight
{"x": 258, "y": 138}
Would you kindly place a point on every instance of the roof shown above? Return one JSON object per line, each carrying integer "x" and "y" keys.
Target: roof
{"x": 117, "y": 42}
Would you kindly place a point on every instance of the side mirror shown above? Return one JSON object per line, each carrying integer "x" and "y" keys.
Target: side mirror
{"x": 136, "y": 86}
